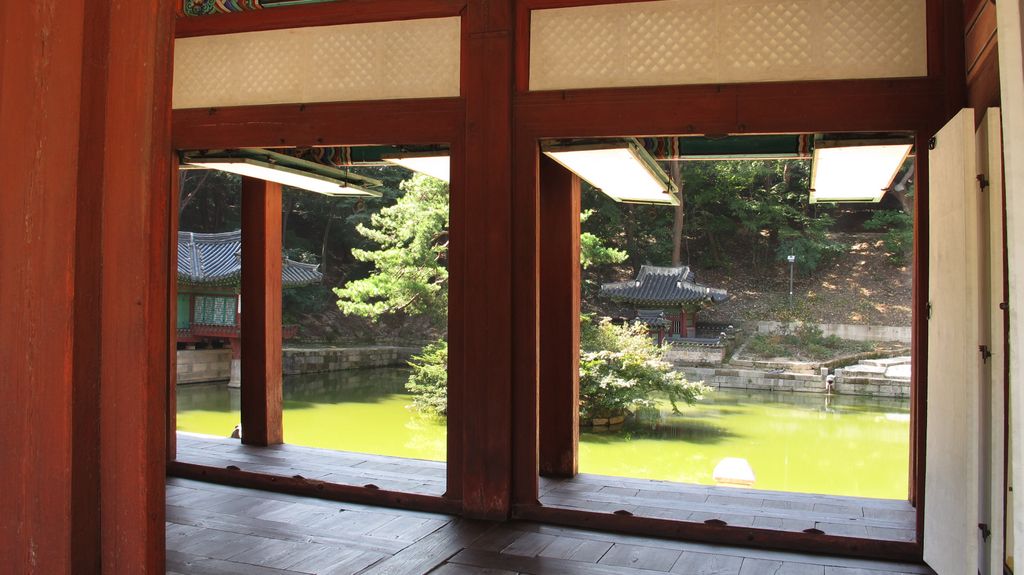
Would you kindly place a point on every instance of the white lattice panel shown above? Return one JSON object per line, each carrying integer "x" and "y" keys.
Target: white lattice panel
{"x": 378, "y": 61}
{"x": 726, "y": 41}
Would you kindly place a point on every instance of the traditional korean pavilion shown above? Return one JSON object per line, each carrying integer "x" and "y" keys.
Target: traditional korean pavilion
{"x": 209, "y": 277}
{"x": 667, "y": 299}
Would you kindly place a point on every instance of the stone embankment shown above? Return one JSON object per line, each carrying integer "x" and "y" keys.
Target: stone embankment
{"x": 202, "y": 365}
{"x": 888, "y": 377}
{"x": 299, "y": 360}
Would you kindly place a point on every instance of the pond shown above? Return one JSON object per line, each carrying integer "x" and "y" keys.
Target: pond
{"x": 841, "y": 445}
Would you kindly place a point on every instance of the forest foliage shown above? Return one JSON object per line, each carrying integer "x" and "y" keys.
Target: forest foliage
{"x": 385, "y": 255}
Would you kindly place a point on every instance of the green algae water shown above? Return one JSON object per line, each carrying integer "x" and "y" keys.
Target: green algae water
{"x": 363, "y": 410}
{"x": 808, "y": 443}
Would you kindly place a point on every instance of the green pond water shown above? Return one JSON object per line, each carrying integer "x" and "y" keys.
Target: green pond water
{"x": 807, "y": 443}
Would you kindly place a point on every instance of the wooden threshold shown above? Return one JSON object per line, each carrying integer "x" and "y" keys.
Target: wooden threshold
{"x": 851, "y": 526}
{"x": 337, "y": 476}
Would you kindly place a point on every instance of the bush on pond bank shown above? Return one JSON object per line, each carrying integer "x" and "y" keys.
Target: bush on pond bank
{"x": 429, "y": 380}
{"x": 621, "y": 369}
{"x": 806, "y": 342}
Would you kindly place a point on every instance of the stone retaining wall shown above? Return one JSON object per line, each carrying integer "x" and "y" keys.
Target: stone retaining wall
{"x": 298, "y": 360}
{"x": 805, "y": 382}
{"x": 873, "y": 386}
{"x": 846, "y": 331}
{"x": 198, "y": 365}
{"x": 752, "y": 379}
{"x": 682, "y": 354}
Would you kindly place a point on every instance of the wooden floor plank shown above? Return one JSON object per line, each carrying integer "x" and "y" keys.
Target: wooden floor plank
{"x": 536, "y": 565}
{"x": 195, "y": 565}
{"x": 432, "y": 550}
{"x": 696, "y": 563}
{"x": 640, "y": 557}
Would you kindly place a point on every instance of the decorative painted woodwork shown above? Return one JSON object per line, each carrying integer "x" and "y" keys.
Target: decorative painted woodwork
{"x": 209, "y": 7}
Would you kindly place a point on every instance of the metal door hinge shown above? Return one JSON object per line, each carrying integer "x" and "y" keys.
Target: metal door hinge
{"x": 931, "y": 143}
{"x": 929, "y": 310}
{"x": 985, "y": 353}
{"x": 985, "y": 531}
{"x": 1005, "y": 306}
{"x": 982, "y": 181}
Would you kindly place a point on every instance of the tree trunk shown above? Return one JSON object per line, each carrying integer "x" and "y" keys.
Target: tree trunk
{"x": 323, "y": 247}
{"x": 629, "y": 228}
{"x": 185, "y": 182}
{"x": 284, "y": 219}
{"x": 675, "y": 172}
{"x": 900, "y": 189}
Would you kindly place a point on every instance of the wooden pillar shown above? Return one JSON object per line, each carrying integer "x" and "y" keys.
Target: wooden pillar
{"x": 85, "y": 110}
{"x": 261, "y": 312}
{"x": 559, "y": 320}
{"x": 172, "y": 312}
{"x": 487, "y": 348}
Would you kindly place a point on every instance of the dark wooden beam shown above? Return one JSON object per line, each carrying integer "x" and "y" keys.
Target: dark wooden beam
{"x": 982, "y": 57}
{"x": 784, "y": 107}
{"x": 919, "y": 333}
{"x": 426, "y": 121}
{"x": 325, "y": 14}
{"x": 262, "y": 409}
{"x": 457, "y": 321}
{"x": 172, "y": 302}
{"x": 526, "y": 319}
{"x": 559, "y": 320}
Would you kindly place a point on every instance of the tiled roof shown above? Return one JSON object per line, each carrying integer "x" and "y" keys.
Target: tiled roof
{"x": 662, "y": 286}
{"x": 215, "y": 259}
{"x": 653, "y": 318}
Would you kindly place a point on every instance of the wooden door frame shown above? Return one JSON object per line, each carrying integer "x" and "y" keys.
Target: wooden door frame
{"x": 477, "y": 125}
{"x": 919, "y": 105}
{"x": 424, "y": 121}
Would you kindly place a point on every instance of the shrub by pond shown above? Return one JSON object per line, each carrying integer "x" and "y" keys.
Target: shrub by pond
{"x": 621, "y": 370}
{"x": 806, "y": 342}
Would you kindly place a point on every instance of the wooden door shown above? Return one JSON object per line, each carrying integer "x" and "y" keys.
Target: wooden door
{"x": 993, "y": 400}
{"x": 952, "y": 482}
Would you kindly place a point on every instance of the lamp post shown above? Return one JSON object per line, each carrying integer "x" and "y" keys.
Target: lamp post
{"x": 792, "y": 260}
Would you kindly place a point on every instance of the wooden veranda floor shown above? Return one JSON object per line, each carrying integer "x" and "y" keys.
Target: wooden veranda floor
{"x": 359, "y": 469}
{"x": 876, "y": 519}
{"x": 216, "y": 529}
{"x": 880, "y": 519}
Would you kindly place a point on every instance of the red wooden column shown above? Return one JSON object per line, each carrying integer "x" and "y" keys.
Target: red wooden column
{"x": 85, "y": 110}
{"x": 486, "y": 361}
{"x": 261, "y": 313}
{"x": 559, "y": 319}
{"x": 173, "y": 224}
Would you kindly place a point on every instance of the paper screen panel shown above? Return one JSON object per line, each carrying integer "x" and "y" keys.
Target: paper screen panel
{"x": 377, "y": 61}
{"x": 726, "y": 41}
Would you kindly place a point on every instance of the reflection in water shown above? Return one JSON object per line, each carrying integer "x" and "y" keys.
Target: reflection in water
{"x": 811, "y": 443}
{"x": 793, "y": 441}
{"x": 361, "y": 410}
